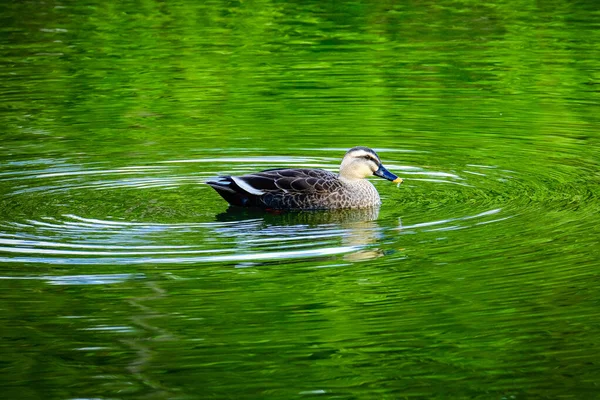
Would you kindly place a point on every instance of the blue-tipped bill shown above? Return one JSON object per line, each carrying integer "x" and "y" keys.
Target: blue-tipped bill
{"x": 385, "y": 174}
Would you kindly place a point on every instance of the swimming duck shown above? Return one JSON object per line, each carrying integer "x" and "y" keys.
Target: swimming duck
{"x": 309, "y": 189}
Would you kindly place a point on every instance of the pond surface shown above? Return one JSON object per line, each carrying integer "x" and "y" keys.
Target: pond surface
{"x": 123, "y": 276}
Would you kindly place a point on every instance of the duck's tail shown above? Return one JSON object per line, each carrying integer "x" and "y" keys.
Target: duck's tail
{"x": 230, "y": 191}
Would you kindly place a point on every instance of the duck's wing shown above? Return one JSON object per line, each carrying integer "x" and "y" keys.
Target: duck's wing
{"x": 289, "y": 180}
{"x": 269, "y": 187}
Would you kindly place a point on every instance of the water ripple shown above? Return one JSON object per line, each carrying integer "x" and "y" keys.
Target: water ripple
{"x": 74, "y": 236}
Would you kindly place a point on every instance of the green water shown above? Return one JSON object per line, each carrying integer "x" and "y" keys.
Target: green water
{"x": 122, "y": 276}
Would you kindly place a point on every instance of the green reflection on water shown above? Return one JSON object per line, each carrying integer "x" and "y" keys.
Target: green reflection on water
{"x": 124, "y": 276}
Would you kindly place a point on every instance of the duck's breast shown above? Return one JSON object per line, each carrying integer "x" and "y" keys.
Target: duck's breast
{"x": 357, "y": 194}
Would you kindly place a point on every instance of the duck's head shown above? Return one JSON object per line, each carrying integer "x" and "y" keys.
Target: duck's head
{"x": 361, "y": 162}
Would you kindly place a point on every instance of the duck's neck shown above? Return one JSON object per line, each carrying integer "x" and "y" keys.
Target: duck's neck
{"x": 355, "y": 182}
{"x": 351, "y": 180}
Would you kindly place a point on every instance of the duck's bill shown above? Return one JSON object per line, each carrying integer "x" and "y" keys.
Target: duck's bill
{"x": 385, "y": 174}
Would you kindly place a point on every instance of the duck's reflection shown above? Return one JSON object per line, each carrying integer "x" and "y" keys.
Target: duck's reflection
{"x": 256, "y": 229}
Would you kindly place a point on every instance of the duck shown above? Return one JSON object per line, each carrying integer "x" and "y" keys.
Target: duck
{"x": 309, "y": 189}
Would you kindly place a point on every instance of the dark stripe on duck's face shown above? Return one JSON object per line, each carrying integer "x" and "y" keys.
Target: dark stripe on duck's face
{"x": 385, "y": 174}
{"x": 371, "y": 158}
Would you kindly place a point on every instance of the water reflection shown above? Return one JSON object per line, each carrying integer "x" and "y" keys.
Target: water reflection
{"x": 310, "y": 218}
{"x": 357, "y": 229}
